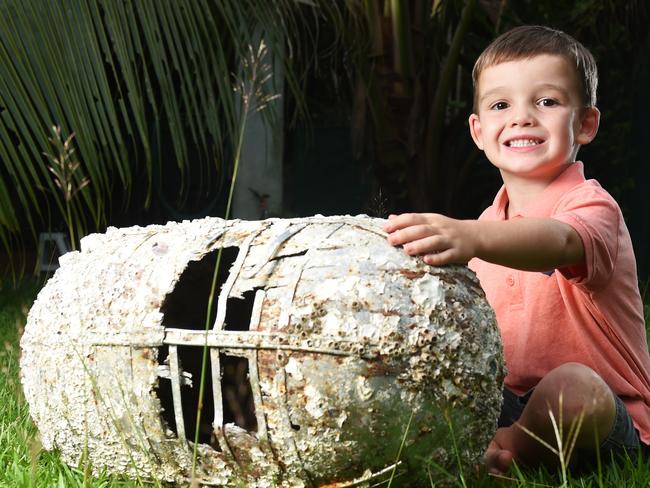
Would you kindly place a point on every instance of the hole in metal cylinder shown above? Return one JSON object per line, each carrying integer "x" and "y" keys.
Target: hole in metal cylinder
{"x": 190, "y": 362}
{"x": 186, "y": 307}
{"x": 237, "y": 394}
{"x": 239, "y": 310}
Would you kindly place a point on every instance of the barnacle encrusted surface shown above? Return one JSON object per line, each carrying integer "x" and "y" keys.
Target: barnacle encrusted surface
{"x": 352, "y": 347}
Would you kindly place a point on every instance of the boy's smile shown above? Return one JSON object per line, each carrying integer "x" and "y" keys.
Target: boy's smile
{"x": 531, "y": 119}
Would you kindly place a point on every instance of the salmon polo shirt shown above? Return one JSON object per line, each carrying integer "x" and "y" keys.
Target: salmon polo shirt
{"x": 591, "y": 314}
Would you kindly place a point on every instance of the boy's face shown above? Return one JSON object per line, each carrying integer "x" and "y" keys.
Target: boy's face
{"x": 531, "y": 119}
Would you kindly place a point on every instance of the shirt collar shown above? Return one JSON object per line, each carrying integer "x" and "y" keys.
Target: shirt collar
{"x": 543, "y": 205}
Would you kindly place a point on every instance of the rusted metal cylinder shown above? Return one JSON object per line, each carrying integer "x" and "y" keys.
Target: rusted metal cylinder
{"x": 326, "y": 350}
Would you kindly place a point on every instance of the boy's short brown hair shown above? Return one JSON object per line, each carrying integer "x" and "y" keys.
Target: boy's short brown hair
{"x": 528, "y": 41}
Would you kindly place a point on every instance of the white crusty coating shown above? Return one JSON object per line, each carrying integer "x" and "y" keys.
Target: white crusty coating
{"x": 365, "y": 338}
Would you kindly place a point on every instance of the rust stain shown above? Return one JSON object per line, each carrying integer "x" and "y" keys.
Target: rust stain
{"x": 380, "y": 368}
{"x": 389, "y": 313}
{"x": 411, "y": 274}
{"x": 148, "y": 355}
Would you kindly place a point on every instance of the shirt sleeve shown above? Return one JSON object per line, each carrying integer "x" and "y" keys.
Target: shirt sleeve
{"x": 596, "y": 217}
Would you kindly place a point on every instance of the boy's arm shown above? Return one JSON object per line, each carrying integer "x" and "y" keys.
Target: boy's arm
{"x": 526, "y": 243}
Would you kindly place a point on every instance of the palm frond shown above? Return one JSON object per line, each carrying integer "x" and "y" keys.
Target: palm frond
{"x": 123, "y": 76}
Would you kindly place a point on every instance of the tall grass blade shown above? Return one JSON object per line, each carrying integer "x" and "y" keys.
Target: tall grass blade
{"x": 399, "y": 452}
{"x": 251, "y": 89}
{"x": 459, "y": 463}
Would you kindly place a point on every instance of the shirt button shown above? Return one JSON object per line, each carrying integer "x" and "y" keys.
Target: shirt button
{"x": 510, "y": 281}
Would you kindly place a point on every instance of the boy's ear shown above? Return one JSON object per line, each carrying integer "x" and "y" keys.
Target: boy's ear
{"x": 475, "y": 130}
{"x": 589, "y": 122}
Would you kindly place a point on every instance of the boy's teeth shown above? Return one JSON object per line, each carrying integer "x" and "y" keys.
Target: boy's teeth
{"x": 522, "y": 142}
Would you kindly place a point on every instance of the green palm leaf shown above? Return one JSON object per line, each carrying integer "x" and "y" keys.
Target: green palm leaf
{"x": 121, "y": 75}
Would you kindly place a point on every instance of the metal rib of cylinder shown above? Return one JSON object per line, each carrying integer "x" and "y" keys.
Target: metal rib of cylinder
{"x": 323, "y": 343}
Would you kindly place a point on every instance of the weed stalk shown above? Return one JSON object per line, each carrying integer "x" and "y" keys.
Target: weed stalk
{"x": 251, "y": 92}
{"x": 64, "y": 166}
{"x": 399, "y": 452}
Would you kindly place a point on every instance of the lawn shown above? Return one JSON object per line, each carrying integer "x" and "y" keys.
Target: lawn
{"x": 24, "y": 463}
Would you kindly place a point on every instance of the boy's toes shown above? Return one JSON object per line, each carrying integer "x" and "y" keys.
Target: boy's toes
{"x": 504, "y": 462}
{"x": 497, "y": 460}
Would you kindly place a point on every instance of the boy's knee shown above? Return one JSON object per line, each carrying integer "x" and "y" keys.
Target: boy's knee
{"x": 579, "y": 388}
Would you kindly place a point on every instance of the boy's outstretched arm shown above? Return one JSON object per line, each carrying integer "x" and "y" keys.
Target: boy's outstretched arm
{"x": 525, "y": 243}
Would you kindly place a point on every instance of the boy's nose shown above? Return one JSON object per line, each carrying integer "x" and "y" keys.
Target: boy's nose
{"x": 522, "y": 117}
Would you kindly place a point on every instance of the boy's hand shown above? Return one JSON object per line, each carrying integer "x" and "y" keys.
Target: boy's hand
{"x": 530, "y": 244}
{"x": 438, "y": 239}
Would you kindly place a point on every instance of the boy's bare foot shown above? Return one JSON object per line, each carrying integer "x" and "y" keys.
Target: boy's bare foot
{"x": 498, "y": 459}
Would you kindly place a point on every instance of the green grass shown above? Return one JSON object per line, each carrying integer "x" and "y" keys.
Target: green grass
{"x": 24, "y": 463}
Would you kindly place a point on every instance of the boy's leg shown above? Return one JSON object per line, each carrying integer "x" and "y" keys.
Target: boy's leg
{"x": 582, "y": 391}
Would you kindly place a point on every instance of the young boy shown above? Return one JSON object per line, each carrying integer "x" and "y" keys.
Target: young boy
{"x": 553, "y": 255}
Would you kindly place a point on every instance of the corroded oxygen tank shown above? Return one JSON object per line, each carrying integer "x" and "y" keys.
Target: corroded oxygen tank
{"x": 326, "y": 349}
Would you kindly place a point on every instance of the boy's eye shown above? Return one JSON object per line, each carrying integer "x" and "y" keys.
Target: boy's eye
{"x": 499, "y": 106}
{"x": 547, "y": 102}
